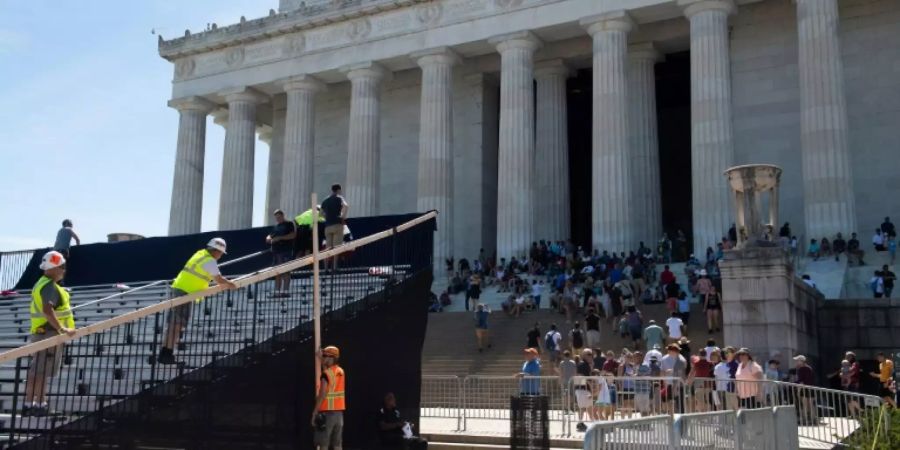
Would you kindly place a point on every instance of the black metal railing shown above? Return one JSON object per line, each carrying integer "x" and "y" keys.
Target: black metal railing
{"x": 12, "y": 266}
{"x": 109, "y": 363}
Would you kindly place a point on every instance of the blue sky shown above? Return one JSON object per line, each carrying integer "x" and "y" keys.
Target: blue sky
{"x": 85, "y": 132}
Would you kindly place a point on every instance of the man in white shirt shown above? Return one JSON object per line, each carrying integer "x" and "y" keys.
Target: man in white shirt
{"x": 675, "y": 326}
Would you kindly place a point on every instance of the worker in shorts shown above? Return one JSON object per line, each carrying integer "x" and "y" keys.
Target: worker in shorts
{"x": 197, "y": 274}
{"x": 51, "y": 315}
{"x": 328, "y": 414}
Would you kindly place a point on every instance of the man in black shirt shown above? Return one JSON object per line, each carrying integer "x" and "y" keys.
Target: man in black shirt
{"x": 335, "y": 209}
{"x": 853, "y": 250}
{"x": 888, "y": 228}
{"x": 592, "y": 323}
{"x": 391, "y": 425}
{"x": 888, "y": 277}
{"x": 838, "y": 246}
{"x": 282, "y": 241}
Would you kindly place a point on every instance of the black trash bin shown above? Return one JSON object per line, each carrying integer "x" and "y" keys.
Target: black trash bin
{"x": 529, "y": 422}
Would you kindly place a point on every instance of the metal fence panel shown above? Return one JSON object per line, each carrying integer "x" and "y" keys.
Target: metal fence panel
{"x": 649, "y": 433}
{"x": 754, "y": 429}
{"x": 442, "y": 398}
{"x": 707, "y": 430}
{"x": 786, "y": 428}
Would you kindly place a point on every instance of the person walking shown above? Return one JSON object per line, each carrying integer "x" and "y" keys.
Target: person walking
{"x": 482, "y": 335}
{"x": 712, "y": 305}
{"x": 335, "y": 209}
{"x": 198, "y": 272}
{"x": 552, "y": 343}
{"x": 749, "y": 375}
{"x": 885, "y": 376}
{"x": 328, "y": 414}
{"x": 653, "y": 335}
{"x": 282, "y": 241}
{"x": 64, "y": 238}
{"x": 804, "y": 375}
{"x": 51, "y": 315}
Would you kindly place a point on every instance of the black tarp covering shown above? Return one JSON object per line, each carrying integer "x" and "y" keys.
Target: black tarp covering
{"x": 158, "y": 258}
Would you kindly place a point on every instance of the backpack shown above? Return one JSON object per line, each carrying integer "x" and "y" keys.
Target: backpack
{"x": 577, "y": 340}
{"x": 549, "y": 342}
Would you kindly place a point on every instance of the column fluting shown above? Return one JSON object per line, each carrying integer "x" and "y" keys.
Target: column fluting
{"x": 644, "y": 150}
{"x": 236, "y": 196}
{"x": 364, "y": 147}
{"x": 435, "y": 178}
{"x": 611, "y": 197}
{"x": 515, "y": 174}
{"x": 551, "y": 202}
{"x": 829, "y": 203}
{"x": 186, "y": 209}
{"x": 299, "y": 143}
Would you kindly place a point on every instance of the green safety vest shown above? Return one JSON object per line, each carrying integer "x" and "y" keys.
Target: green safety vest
{"x": 192, "y": 277}
{"x": 306, "y": 218}
{"x": 63, "y": 310}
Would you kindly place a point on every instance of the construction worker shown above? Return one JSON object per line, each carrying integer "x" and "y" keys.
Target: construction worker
{"x": 51, "y": 316}
{"x": 328, "y": 414}
{"x": 196, "y": 276}
{"x": 304, "y": 220}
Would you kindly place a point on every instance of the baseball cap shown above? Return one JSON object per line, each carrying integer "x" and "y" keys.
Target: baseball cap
{"x": 52, "y": 260}
{"x": 800, "y": 358}
{"x": 217, "y": 244}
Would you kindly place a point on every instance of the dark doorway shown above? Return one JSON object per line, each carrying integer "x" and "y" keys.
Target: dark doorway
{"x": 673, "y": 112}
{"x": 579, "y": 109}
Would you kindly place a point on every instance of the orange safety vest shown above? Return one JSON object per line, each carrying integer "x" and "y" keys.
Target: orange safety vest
{"x": 334, "y": 397}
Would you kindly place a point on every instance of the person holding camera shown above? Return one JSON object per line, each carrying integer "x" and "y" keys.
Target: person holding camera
{"x": 393, "y": 431}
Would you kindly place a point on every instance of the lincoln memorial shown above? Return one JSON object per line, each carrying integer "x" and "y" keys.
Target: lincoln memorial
{"x": 604, "y": 121}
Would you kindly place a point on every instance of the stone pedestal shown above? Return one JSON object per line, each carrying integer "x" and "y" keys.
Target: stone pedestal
{"x": 611, "y": 196}
{"x": 766, "y": 307}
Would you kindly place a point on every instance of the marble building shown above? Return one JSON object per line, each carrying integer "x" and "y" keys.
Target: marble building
{"x": 466, "y": 106}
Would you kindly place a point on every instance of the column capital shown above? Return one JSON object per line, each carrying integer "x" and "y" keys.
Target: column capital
{"x": 193, "y": 103}
{"x": 551, "y": 67}
{"x": 366, "y": 69}
{"x": 437, "y": 55}
{"x": 244, "y": 94}
{"x": 691, "y": 7}
{"x": 519, "y": 39}
{"x": 609, "y": 21}
{"x": 265, "y": 133}
{"x": 303, "y": 83}
{"x": 644, "y": 51}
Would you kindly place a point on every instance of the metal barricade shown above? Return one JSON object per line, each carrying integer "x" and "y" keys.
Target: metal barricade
{"x": 628, "y": 397}
{"x": 707, "y": 430}
{"x": 754, "y": 429}
{"x": 647, "y": 433}
{"x": 441, "y": 398}
{"x": 487, "y": 397}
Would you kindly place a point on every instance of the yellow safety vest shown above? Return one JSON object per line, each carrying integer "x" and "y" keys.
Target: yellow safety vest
{"x": 192, "y": 277}
{"x": 305, "y": 218}
{"x": 63, "y": 310}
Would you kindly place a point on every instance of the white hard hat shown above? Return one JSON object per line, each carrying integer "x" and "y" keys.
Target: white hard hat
{"x": 217, "y": 244}
{"x": 52, "y": 260}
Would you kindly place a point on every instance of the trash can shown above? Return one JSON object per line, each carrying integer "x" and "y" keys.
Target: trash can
{"x": 529, "y": 422}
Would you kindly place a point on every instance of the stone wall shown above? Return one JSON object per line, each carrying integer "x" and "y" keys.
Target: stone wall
{"x": 767, "y": 100}
{"x": 766, "y": 307}
{"x": 865, "y": 326}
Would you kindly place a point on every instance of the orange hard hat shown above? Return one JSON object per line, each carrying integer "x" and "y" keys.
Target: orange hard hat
{"x": 331, "y": 351}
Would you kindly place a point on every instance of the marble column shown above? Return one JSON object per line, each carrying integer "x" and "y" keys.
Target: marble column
{"x": 827, "y": 180}
{"x": 551, "y": 169}
{"x": 276, "y": 161}
{"x": 515, "y": 174}
{"x": 187, "y": 187}
{"x": 644, "y": 149}
{"x": 611, "y": 209}
{"x": 435, "y": 184}
{"x": 236, "y": 196}
{"x": 712, "y": 139}
{"x": 364, "y": 147}
{"x": 299, "y": 143}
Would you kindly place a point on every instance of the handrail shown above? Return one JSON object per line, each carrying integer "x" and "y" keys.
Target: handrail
{"x": 269, "y": 272}
{"x": 158, "y": 282}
